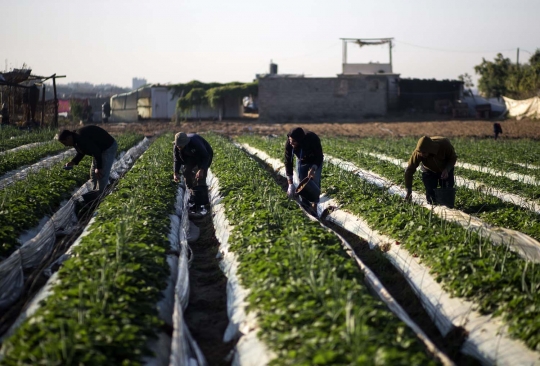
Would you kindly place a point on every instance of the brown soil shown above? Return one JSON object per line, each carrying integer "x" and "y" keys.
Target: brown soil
{"x": 448, "y": 128}
{"x": 206, "y": 314}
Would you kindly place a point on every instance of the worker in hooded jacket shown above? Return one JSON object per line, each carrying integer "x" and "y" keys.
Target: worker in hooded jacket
{"x": 437, "y": 158}
{"x": 306, "y": 146}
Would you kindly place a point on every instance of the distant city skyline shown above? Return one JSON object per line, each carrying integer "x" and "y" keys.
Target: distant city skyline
{"x": 165, "y": 41}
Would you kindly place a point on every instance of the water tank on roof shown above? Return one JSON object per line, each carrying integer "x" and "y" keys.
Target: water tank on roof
{"x": 273, "y": 68}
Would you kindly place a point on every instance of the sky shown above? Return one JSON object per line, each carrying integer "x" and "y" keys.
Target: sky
{"x": 174, "y": 41}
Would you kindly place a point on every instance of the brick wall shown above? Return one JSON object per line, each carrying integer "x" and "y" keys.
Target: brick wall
{"x": 344, "y": 98}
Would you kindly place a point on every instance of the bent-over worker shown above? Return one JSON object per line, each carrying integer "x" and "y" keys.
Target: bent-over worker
{"x": 96, "y": 142}
{"x": 438, "y": 158}
{"x": 194, "y": 154}
{"x": 306, "y": 146}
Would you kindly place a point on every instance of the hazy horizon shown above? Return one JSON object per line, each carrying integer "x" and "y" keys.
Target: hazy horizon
{"x": 110, "y": 42}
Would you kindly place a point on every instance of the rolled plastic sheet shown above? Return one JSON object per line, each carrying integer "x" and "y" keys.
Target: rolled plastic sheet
{"x": 183, "y": 348}
{"x": 243, "y": 326}
{"x": 488, "y": 338}
{"x": 36, "y": 249}
{"x": 515, "y": 199}
{"x": 21, "y": 173}
{"x": 527, "y": 247}
{"x": 24, "y": 147}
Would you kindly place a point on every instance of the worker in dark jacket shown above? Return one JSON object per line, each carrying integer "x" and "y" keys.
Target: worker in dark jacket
{"x": 96, "y": 142}
{"x": 195, "y": 154}
{"x": 306, "y": 146}
{"x": 497, "y": 129}
{"x": 438, "y": 158}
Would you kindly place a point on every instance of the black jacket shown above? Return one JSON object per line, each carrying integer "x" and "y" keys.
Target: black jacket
{"x": 310, "y": 152}
{"x": 91, "y": 140}
{"x": 197, "y": 152}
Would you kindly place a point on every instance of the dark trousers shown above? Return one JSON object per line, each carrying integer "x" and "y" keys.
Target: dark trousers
{"x": 190, "y": 170}
{"x": 433, "y": 180}
{"x": 303, "y": 170}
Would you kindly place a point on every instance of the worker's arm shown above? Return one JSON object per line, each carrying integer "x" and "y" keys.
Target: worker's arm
{"x": 90, "y": 148}
{"x": 77, "y": 159}
{"x": 289, "y": 155}
{"x": 414, "y": 161}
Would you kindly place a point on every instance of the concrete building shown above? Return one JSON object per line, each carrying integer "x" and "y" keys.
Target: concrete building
{"x": 159, "y": 102}
{"x": 360, "y": 91}
{"x": 343, "y": 98}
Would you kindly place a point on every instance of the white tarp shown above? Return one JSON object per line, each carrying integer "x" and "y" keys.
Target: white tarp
{"x": 488, "y": 337}
{"x": 523, "y": 108}
{"x": 249, "y": 350}
{"x": 34, "y": 250}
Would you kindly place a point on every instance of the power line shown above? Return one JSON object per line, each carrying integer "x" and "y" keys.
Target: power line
{"x": 454, "y": 51}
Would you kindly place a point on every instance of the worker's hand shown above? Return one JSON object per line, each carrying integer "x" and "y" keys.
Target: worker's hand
{"x": 444, "y": 174}
{"x": 176, "y": 177}
{"x": 408, "y": 196}
{"x": 291, "y": 191}
{"x": 70, "y": 164}
{"x": 200, "y": 174}
{"x": 99, "y": 173}
{"x": 312, "y": 171}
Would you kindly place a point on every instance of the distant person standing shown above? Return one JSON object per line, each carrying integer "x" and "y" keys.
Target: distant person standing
{"x": 497, "y": 129}
{"x": 5, "y": 115}
{"x": 105, "y": 112}
{"x": 96, "y": 142}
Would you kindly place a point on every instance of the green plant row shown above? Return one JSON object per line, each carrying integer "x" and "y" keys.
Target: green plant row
{"x": 103, "y": 310}
{"x": 25, "y": 202}
{"x": 490, "y": 209}
{"x": 20, "y": 139}
{"x": 13, "y": 160}
{"x": 497, "y": 280}
{"x": 313, "y": 307}
{"x": 466, "y": 151}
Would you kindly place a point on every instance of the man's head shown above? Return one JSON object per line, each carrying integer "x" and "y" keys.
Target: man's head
{"x": 66, "y": 138}
{"x": 181, "y": 140}
{"x": 426, "y": 147}
{"x": 296, "y": 136}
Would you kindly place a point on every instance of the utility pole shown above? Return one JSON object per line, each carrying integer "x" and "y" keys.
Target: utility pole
{"x": 518, "y": 56}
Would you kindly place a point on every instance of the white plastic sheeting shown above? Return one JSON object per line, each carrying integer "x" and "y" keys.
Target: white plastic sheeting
{"x": 33, "y": 251}
{"x": 523, "y": 108}
{"x": 471, "y": 184}
{"x": 24, "y": 147}
{"x": 249, "y": 350}
{"x": 184, "y": 349}
{"x": 524, "y": 245}
{"x": 488, "y": 338}
{"x": 21, "y": 173}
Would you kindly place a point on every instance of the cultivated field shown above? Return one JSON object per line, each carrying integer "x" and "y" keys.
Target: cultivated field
{"x": 373, "y": 280}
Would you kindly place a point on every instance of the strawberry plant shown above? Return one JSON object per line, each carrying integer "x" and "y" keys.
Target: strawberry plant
{"x": 12, "y": 137}
{"x": 103, "y": 308}
{"x": 14, "y": 160}
{"x": 498, "y": 281}
{"x": 312, "y": 305}
{"x": 25, "y": 202}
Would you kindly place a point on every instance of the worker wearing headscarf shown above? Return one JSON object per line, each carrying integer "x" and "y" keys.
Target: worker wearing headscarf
{"x": 438, "y": 158}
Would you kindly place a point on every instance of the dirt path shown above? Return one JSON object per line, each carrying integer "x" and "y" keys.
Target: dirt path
{"x": 206, "y": 314}
{"x": 448, "y": 128}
